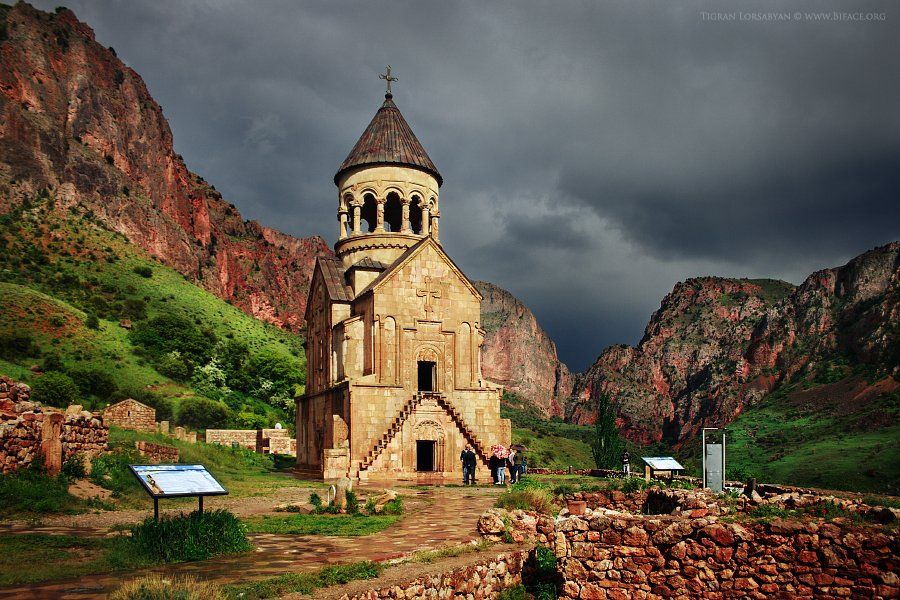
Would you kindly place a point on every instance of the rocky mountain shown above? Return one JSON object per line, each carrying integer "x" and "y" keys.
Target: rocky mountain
{"x": 717, "y": 346}
{"x": 519, "y": 354}
{"x": 77, "y": 122}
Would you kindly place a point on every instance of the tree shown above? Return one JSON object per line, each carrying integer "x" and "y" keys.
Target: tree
{"x": 92, "y": 322}
{"x": 54, "y": 389}
{"x": 169, "y": 332}
{"x": 94, "y": 382}
{"x": 606, "y": 445}
{"x": 202, "y": 413}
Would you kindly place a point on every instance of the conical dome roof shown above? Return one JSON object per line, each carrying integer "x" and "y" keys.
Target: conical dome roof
{"x": 389, "y": 140}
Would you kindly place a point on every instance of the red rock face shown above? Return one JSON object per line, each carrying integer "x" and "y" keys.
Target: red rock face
{"x": 718, "y": 345}
{"x": 74, "y": 119}
{"x": 520, "y": 355}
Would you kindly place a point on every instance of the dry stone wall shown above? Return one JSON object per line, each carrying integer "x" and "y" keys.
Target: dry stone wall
{"x": 693, "y": 545}
{"x": 483, "y": 579}
{"x": 157, "y": 452}
{"x": 243, "y": 437}
{"x": 29, "y": 432}
{"x": 620, "y": 557}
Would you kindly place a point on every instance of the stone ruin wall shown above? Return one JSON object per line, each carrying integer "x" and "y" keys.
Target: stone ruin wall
{"x": 485, "y": 578}
{"x": 646, "y": 557}
{"x": 225, "y": 437}
{"x": 84, "y": 434}
{"x": 29, "y": 432}
{"x": 267, "y": 441}
{"x": 157, "y": 453}
{"x": 701, "y": 551}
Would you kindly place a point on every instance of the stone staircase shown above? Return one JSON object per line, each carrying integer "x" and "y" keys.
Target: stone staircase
{"x": 407, "y": 410}
{"x": 470, "y": 436}
{"x": 396, "y": 424}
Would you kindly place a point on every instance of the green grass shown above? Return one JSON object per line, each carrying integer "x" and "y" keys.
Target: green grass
{"x": 30, "y": 492}
{"x": 840, "y": 446}
{"x": 242, "y": 472}
{"x": 329, "y": 525}
{"x": 63, "y": 556}
{"x": 304, "y": 583}
{"x": 197, "y": 536}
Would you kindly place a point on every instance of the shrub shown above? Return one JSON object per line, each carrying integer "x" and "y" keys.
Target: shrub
{"x": 534, "y": 499}
{"x": 545, "y": 578}
{"x": 74, "y": 468}
{"x": 167, "y": 587}
{"x": 173, "y": 366}
{"x": 55, "y": 389}
{"x": 111, "y": 472}
{"x": 192, "y": 537}
{"x": 17, "y": 345}
{"x": 393, "y": 507}
{"x": 144, "y": 271}
{"x": 52, "y": 362}
{"x": 92, "y": 322}
{"x": 92, "y": 381}
{"x": 352, "y": 503}
{"x": 316, "y": 501}
{"x": 202, "y": 413}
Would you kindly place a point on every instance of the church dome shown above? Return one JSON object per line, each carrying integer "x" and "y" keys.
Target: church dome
{"x": 389, "y": 140}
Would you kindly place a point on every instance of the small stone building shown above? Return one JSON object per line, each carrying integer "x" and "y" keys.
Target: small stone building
{"x": 130, "y": 414}
{"x": 394, "y": 386}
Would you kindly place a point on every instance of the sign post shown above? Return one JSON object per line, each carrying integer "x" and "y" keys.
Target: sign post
{"x": 177, "y": 481}
{"x": 713, "y": 460}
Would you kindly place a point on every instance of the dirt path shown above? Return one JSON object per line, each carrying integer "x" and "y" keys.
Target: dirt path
{"x": 100, "y": 523}
{"x": 436, "y": 517}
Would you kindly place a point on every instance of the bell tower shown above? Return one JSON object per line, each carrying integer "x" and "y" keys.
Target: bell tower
{"x": 387, "y": 191}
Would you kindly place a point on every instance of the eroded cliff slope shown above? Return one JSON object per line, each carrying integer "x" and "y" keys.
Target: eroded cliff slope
{"x": 76, "y": 121}
{"x": 717, "y": 346}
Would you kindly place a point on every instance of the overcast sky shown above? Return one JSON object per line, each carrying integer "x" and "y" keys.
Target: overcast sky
{"x": 593, "y": 153}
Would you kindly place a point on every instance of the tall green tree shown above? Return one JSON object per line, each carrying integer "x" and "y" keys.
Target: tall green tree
{"x": 606, "y": 445}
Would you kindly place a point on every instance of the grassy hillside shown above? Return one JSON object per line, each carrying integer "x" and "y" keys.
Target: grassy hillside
{"x": 551, "y": 444}
{"x": 66, "y": 283}
{"x": 840, "y": 435}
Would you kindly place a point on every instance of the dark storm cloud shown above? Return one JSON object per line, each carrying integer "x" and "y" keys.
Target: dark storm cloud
{"x": 593, "y": 153}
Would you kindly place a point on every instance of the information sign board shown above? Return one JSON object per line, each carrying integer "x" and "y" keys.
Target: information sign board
{"x": 173, "y": 481}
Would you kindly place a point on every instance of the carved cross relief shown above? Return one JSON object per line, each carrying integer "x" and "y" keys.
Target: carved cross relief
{"x": 431, "y": 291}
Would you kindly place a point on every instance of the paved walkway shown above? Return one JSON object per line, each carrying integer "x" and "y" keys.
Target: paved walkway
{"x": 437, "y": 517}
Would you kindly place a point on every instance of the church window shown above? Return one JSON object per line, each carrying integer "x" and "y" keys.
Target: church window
{"x": 369, "y": 212}
{"x": 427, "y": 375}
{"x": 393, "y": 212}
{"x": 415, "y": 215}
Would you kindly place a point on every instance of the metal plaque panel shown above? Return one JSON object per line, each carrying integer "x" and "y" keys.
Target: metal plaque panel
{"x": 715, "y": 478}
{"x": 172, "y": 481}
{"x": 662, "y": 463}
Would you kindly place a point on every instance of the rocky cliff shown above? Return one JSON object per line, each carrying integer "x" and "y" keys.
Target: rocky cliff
{"x": 519, "y": 354}
{"x": 76, "y": 121}
{"x": 716, "y": 346}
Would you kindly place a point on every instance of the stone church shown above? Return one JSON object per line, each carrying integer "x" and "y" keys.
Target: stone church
{"x": 394, "y": 385}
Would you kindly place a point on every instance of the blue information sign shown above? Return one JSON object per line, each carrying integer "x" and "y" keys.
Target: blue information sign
{"x": 177, "y": 481}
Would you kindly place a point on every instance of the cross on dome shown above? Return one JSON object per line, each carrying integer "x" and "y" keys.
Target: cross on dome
{"x": 388, "y": 78}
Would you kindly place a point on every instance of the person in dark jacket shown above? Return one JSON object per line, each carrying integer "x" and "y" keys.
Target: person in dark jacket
{"x": 494, "y": 463}
{"x": 468, "y": 465}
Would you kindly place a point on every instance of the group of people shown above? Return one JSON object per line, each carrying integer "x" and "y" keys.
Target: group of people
{"x": 501, "y": 462}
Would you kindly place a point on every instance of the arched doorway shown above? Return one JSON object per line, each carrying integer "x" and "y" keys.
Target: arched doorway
{"x": 427, "y": 370}
{"x": 429, "y": 436}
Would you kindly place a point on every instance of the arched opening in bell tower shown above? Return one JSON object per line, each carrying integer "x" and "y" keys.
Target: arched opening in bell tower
{"x": 415, "y": 214}
{"x": 393, "y": 212}
{"x": 369, "y": 212}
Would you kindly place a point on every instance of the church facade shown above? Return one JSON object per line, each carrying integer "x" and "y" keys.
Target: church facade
{"x": 394, "y": 385}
